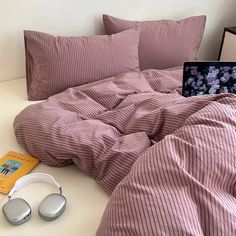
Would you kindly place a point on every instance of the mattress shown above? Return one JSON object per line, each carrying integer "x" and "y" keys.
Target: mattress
{"x": 86, "y": 200}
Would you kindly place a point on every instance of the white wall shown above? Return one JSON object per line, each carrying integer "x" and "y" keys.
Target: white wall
{"x": 83, "y": 17}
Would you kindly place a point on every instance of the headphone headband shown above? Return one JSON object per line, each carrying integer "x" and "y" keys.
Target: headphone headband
{"x": 34, "y": 178}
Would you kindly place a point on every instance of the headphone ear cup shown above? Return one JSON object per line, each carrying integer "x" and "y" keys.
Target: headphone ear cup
{"x": 17, "y": 211}
{"x": 52, "y": 206}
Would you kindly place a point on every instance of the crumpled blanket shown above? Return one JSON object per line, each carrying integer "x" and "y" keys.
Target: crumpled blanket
{"x": 173, "y": 158}
{"x": 103, "y": 126}
{"x": 183, "y": 185}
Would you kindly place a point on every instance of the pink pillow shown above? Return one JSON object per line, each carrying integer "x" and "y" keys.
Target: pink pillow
{"x": 54, "y": 64}
{"x": 164, "y": 43}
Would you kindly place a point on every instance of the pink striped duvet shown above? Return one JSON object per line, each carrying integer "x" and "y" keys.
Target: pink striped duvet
{"x": 170, "y": 160}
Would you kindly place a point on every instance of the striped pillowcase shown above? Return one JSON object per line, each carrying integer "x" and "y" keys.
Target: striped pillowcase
{"x": 163, "y": 43}
{"x": 54, "y": 64}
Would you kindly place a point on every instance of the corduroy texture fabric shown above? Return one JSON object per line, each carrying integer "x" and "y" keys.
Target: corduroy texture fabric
{"x": 92, "y": 126}
{"x": 164, "y": 43}
{"x": 54, "y": 64}
{"x": 182, "y": 185}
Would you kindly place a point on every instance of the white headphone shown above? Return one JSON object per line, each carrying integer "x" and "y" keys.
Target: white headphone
{"x": 17, "y": 210}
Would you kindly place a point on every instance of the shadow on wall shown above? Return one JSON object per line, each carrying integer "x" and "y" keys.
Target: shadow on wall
{"x": 98, "y": 24}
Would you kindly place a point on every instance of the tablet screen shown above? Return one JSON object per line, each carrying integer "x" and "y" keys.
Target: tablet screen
{"x": 201, "y": 78}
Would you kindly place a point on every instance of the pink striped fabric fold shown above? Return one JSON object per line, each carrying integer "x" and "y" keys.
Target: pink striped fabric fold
{"x": 183, "y": 185}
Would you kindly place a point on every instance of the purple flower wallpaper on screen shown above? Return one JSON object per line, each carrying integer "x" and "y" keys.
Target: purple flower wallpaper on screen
{"x": 209, "y": 80}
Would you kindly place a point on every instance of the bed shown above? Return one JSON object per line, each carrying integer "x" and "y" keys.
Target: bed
{"x": 83, "y": 212}
{"x": 113, "y": 122}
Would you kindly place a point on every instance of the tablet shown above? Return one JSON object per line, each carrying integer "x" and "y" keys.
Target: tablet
{"x": 212, "y": 77}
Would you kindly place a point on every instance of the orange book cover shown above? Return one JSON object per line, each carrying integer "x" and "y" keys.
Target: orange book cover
{"x": 13, "y": 166}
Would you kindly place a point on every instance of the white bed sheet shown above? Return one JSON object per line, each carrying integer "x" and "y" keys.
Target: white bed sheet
{"x": 86, "y": 200}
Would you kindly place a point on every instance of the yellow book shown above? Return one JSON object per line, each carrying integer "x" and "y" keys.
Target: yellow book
{"x": 14, "y": 165}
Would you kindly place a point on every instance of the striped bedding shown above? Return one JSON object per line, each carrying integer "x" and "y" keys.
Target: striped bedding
{"x": 168, "y": 161}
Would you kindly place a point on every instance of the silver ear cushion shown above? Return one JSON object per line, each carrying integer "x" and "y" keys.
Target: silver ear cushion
{"x": 17, "y": 211}
{"x": 52, "y": 206}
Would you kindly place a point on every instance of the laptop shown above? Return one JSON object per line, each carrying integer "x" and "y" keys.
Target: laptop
{"x": 214, "y": 77}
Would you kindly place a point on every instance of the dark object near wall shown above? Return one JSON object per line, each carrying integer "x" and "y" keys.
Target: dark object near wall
{"x": 228, "y": 45}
